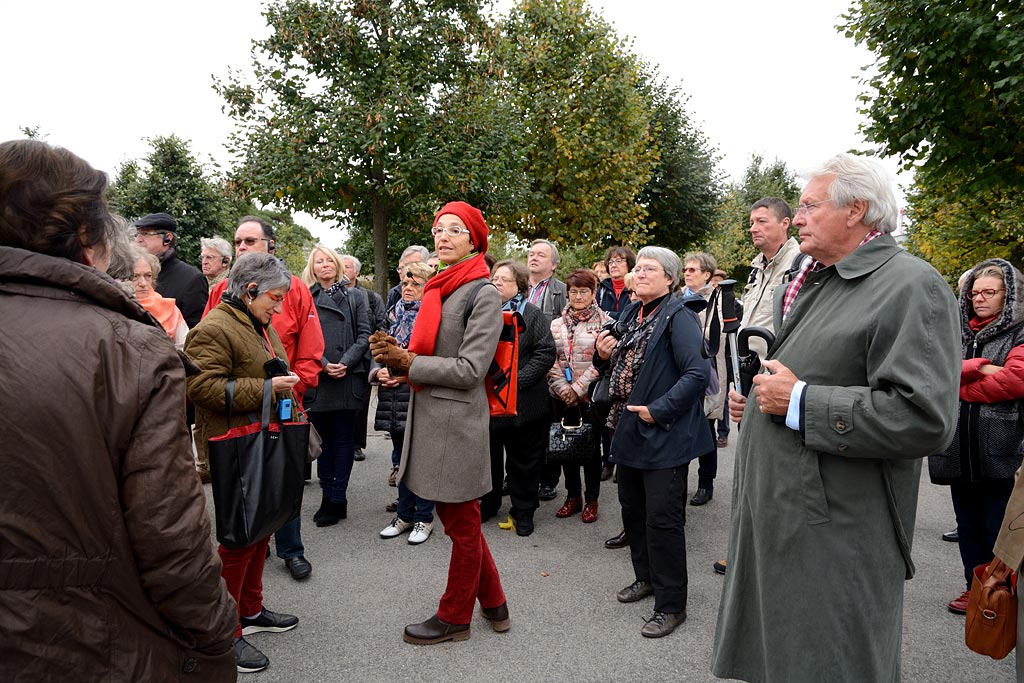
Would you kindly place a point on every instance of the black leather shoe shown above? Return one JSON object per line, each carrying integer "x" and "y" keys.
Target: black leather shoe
{"x": 299, "y": 567}
{"x": 661, "y": 624}
{"x": 545, "y": 492}
{"x": 359, "y": 456}
{"x": 952, "y": 536}
{"x": 616, "y": 542}
{"x": 433, "y": 631}
{"x": 269, "y": 622}
{"x": 719, "y": 567}
{"x": 498, "y": 616}
{"x": 702, "y": 496}
{"x": 607, "y": 471}
{"x": 248, "y": 659}
{"x": 524, "y": 527}
{"x": 638, "y": 590}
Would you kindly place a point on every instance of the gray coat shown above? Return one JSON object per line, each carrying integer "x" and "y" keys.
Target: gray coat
{"x": 446, "y": 456}
{"x": 554, "y": 299}
{"x": 822, "y": 521}
{"x": 345, "y": 321}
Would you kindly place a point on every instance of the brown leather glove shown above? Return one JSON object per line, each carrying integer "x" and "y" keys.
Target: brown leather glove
{"x": 379, "y": 342}
{"x": 395, "y": 358}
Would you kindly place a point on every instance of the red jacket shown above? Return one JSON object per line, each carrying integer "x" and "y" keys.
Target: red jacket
{"x": 1005, "y": 385}
{"x": 299, "y": 329}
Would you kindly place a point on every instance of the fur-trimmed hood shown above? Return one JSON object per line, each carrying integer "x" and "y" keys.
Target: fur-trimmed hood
{"x": 1013, "y": 308}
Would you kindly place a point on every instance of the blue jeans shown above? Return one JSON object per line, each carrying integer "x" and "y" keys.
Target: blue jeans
{"x": 411, "y": 508}
{"x": 334, "y": 466}
{"x": 288, "y": 540}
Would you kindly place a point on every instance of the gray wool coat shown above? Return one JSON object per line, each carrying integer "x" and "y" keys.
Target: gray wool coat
{"x": 446, "y": 456}
{"x": 345, "y": 321}
{"x": 822, "y": 521}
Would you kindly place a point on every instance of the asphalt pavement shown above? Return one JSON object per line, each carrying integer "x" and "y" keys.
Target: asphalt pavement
{"x": 561, "y": 584}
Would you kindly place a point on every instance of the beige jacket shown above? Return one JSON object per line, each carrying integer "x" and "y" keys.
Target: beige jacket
{"x": 1009, "y": 545}
{"x": 767, "y": 274}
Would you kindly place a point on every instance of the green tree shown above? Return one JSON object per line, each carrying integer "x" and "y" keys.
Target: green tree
{"x": 587, "y": 140}
{"x": 730, "y": 242}
{"x": 684, "y": 191}
{"x": 367, "y": 111}
{"x": 946, "y": 93}
{"x": 954, "y": 232}
{"x": 171, "y": 180}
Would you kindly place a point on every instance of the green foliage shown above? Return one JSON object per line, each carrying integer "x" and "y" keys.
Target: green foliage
{"x": 171, "y": 180}
{"x": 683, "y": 193}
{"x": 954, "y": 235}
{"x": 947, "y": 91}
{"x": 586, "y": 134}
{"x": 730, "y": 241}
{"x": 372, "y": 112}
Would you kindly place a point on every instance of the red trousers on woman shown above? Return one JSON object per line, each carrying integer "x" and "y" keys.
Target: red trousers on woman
{"x": 243, "y": 574}
{"x": 471, "y": 570}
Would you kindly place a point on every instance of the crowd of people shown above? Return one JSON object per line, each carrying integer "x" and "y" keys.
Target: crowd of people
{"x": 872, "y": 368}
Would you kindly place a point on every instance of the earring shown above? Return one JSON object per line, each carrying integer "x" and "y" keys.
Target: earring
{"x": 251, "y": 300}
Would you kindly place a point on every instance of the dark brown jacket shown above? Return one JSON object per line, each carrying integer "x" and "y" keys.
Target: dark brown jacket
{"x": 107, "y": 572}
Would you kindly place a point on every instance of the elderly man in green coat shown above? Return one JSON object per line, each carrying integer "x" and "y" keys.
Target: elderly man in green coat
{"x": 863, "y": 383}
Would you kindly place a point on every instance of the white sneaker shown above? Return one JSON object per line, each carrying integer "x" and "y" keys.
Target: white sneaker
{"x": 420, "y": 533}
{"x": 396, "y": 528}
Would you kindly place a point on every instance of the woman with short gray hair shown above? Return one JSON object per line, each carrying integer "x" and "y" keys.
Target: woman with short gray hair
{"x": 235, "y": 341}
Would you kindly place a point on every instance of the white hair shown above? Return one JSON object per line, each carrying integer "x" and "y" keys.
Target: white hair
{"x": 858, "y": 177}
{"x": 356, "y": 263}
{"x": 218, "y": 244}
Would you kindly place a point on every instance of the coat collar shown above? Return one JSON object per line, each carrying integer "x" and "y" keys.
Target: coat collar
{"x": 868, "y": 258}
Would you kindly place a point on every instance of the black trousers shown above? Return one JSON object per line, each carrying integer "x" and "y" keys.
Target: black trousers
{"x": 979, "y": 508}
{"x": 654, "y": 517}
{"x": 707, "y": 464}
{"x": 519, "y": 451}
{"x": 361, "y": 417}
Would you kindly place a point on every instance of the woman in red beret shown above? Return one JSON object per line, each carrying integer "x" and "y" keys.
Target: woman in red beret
{"x": 446, "y": 455}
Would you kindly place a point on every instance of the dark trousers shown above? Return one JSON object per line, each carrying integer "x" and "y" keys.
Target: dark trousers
{"x": 653, "y": 516}
{"x": 523, "y": 448}
{"x": 411, "y": 508}
{"x": 979, "y": 508}
{"x": 362, "y": 416}
{"x": 707, "y": 464}
{"x": 242, "y": 571}
{"x": 723, "y": 425}
{"x": 591, "y": 476}
{"x": 334, "y": 466}
{"x": 472, "y": 574}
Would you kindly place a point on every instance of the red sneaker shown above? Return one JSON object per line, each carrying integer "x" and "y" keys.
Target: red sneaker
{"x": 590, "y": 512}
{"x": 570, "y": 507}
{"x": 959, "y": 605}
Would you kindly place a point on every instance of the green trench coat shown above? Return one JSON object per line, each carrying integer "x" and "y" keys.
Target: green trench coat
{"x": 822, "y": 526}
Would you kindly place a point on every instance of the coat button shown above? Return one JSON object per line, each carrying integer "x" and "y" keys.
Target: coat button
{"x": 190, "y": 665}
{"x": 841, "y": 447}
{"x": 840, "y": 425}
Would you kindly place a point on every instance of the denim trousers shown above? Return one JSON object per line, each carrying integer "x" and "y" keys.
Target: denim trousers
{"x": 411, "y": 508}
{"x": 334, "y": 466}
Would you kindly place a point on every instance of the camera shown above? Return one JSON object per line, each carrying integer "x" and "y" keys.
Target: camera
{"x": 617, "y": 328}
{"x": 275, "y": 367}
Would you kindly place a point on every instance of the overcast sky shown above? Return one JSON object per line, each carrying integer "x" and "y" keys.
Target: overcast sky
{"x": 773, "y": 78}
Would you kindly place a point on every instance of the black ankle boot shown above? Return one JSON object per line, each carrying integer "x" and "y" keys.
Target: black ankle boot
{"x": 325, "y": 503}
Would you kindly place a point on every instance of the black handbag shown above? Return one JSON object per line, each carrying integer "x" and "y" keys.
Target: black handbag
{"x": 572, "y": 444}
{"x": 257, "y": 474}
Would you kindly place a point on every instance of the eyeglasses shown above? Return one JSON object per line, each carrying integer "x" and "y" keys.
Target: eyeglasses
{"x": 149, "y": 233}
{"x": 647, "y": 270}
{"x": 579, "y": 293}
{"x": 983, "y": 294}
{"x": 149, "y": 277}
{"x": 504, "y": 280}
{"x": 413, "y": 283}
{"x": 250, "y": 241}
{"x": 207, "y": 257}
{"x": 809, "y": 208}
{"x": 451, "y": 230}
{"x": 276, "y": 298}
{"x": 616, "y": 261}
{"x": 691, "y": 270}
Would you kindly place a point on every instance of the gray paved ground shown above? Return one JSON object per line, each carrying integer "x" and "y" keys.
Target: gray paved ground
{"x": 560, "y": 583}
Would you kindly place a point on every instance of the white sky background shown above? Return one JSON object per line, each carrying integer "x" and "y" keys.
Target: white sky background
{"x": 774, "y": 78}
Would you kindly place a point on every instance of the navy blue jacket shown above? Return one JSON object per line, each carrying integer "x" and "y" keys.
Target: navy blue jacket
{"x": 607, "y": 300}
{"x": 671, "y": 384}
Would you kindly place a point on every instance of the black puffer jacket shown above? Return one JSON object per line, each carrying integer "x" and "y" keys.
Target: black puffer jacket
{"x": 988, "y": 435}
{"x": 392, "y": 408}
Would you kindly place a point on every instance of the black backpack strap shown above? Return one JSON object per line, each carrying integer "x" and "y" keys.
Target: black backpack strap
{"x": 794, "y": 268}
{"x": 470, "y": 301}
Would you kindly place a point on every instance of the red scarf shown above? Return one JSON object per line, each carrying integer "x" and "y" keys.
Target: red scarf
{"x": 977, "y": 324}
{"x": 424, "y": 332}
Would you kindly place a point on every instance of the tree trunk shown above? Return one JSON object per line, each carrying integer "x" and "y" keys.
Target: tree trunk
{"x": 380, "y": 247}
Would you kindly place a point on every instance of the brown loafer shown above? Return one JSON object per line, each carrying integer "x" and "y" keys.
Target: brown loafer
{"x": 661, "y": 624}
{"x": 498, "y": 616}
{"x": 433, "y": 631}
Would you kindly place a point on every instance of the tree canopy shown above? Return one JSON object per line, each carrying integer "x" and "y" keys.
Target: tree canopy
{"x": 370, "y": 110}
{"x": 946, "y": 93}
{"x": 171, "y": 180}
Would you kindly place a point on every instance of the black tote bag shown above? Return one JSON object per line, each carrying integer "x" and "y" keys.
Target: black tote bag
{"x": 257, "y": 474}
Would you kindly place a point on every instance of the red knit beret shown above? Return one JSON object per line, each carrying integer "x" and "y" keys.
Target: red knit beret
{"x": 473, "y": 219}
